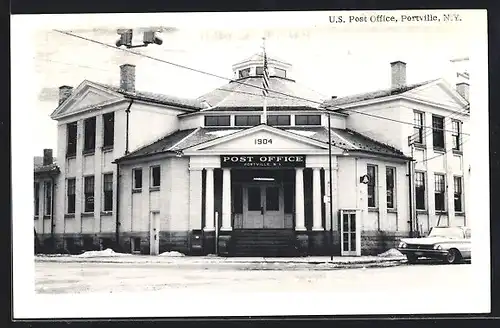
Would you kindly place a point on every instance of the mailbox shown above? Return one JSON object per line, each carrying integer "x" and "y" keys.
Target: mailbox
{"x": 197, "y": 241}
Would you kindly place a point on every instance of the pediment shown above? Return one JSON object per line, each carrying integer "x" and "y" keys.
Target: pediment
{"x": 84, "y": 96}
{"x": 263, "y": 139}
{"x": 438, "y": 92}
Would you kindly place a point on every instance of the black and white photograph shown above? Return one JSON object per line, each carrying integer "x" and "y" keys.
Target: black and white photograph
{"x": 250, "y": 164}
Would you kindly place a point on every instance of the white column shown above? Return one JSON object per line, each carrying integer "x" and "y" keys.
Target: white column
{"x": 299, "y": 200}
{"x": 226, "y": 200}
{"x": 327, "y": 194}
{"x": 195, "y": 198}
{"x": 209, "y": 200}
{"x": 317, "y": 199}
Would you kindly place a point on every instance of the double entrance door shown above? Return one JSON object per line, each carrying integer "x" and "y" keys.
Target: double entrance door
{"x": 263, "y": 206}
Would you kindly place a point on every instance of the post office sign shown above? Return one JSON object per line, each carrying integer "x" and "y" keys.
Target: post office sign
{"x": 260, "y": 161}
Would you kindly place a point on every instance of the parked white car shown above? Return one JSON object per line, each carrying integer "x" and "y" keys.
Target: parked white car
{"x": 449, "y": 244}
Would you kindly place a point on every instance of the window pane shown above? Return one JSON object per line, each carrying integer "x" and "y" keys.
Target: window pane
{"x": 371, "y": 172}
{"x": 420, "y": 198}
{"x": 137, "y": 173}
{"x": 437, "y": 132}
{"x": 300, "y": 120}
{"x": 210, "y": 120}
{"x": 279, "y": 72}
{"x": 345, "y": 222}
{"x": 272, "y": 199}
{"x": 439, "y": 183}
{"x": 254, "y": 120}
{"x": 278, "y": 119}
{"x": 254, "y": 201}
{"x": 155, "y": 176}
{"x": 89, "y": 135}
{"x": 224, "y": 120}
{"x": 439, "y": 200}
{"x": 108, "y": 182}
{"x": 48, "y": 198}
{"x": 37, "y": 197}
{"x": 71, "y": 138}
{"x": 314, "y": 120}
{"x": 390, "y": 185}
{"x": 353, "y": 222}
{"x": 353, "y": 242}
{"x": 109, "y": 129}
{"x": 259, "y": 70}
{"x": 244, "y": 72}
{"x": 89, "y": 194}
{"x": 247, "y": 120}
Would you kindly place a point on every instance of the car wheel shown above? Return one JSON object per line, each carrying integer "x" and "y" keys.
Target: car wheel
{"x": 452, "y": 257}
{"x": 411, "y": 258}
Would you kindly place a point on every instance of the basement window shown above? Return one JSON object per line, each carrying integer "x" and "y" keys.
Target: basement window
{"x": 109, "y": 130}
{"x": 136, "y": 244}
{"x": 89, "y": 142}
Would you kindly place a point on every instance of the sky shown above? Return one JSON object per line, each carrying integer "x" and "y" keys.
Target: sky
{"x": 333, "y": 61}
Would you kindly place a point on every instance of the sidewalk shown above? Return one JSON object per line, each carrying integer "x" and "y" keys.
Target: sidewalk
{"x": 345, "y": 261}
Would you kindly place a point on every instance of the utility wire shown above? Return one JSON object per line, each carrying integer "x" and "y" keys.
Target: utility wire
{"x": 236, "y": 81}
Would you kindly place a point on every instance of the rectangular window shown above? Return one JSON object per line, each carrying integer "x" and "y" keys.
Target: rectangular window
{"x": 278, "y": 119}
{"x": 155, "y": 176}
{"x": 420, "y": 190}
{"x": 70, "y": 195}
{"x": 246, "y": 120}
{"x": 259, "y": 70}
{"x": 438, "y": 132}
{"x": 390, "y": 174}
{"x": 89, "y": 142}
{"x": 108, "y": 192}
{"x": 288, "y": 195}
{"x": 244, "y": 73}
{"x": 457, "y": 190}
{"x": 37, "y": 198}
{"x": 71, "y": 136}
{"x": 439, "y": 189}
{"x": 137, "y": 179}
{"x": 88, "y": 194}
{"x": 418, "y": 128}
{"x": 307, "y": 119}
{"x": 223, "y": 120}
{"x": 456, "y": 134}
{"x": 372, "y": 182}
{"x": 109, "y": 129}
{"x": 48, "y": 198}
{"x": 136, "y": 244}
{"x": 279, "y": 72}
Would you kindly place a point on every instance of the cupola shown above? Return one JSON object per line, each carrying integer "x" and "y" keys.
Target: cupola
{"x": 254, "y": 65}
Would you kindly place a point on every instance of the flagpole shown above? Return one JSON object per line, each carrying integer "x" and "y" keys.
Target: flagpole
{"x": 264, "y": 119}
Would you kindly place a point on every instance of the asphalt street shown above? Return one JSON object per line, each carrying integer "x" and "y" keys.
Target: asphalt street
{"x": 57, "y": 277}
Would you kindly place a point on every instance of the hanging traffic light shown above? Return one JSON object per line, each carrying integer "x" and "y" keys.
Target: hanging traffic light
{"x": 150, "y": 37}
{"x": 125, "y": 38}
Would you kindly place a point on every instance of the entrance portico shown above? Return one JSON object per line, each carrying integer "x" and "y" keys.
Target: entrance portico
{"x": 262, "y": 189}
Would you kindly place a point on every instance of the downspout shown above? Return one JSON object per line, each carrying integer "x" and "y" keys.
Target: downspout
{"x": 52, "y": 224}
{"x": 410, "y": 193}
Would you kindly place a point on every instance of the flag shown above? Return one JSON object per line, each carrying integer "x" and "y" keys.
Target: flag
{"x": 265, "y": 77}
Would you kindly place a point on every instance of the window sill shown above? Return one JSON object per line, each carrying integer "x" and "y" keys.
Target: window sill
{"x": 372, "y": 209}
{"x": 88, "y": 152}
{"x": 70, "y": 156}
{"x": 392, "y": 210}
{"x": 457, "y": 152}
{"x": 69, "y": 215}
{"x": 154, "y": 188}
{"x": 441, "y": 212}
{"x": 47, "y": 217}
{"x": 107, "y": 148}
{"x": 439, "y": 150}
{"x": 87, "y": 214}
{"x": 107, "y": 213}
{"x": 422, "y": 212}
{"x": 420, "y": 146}
{"x": 36, "y": 217}
{"x": 136, "y": 191}
{"x": 460, "y": 213}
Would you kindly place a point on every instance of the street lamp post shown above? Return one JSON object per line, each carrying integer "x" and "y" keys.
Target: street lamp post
{"x": 330, "y": 183}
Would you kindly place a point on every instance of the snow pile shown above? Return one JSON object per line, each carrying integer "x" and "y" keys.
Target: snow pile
{"x": 105, "y": 253}
{"x": 172, "y": 254}
{"x": 391, "y": 253}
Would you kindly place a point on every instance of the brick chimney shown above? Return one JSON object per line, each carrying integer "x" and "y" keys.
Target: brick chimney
{"x": 64, "y": 92}
{"x": 398, "y": 74}
{"x": 463, "y": 90}
{"x": 127, "y": 77}
{"x": 47, "y": 157}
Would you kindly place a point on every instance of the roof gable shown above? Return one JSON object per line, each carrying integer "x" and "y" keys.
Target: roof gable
{"x": 260, "y": 138}
{"x": 86, "y": 95}
{"x": 438, "y": 92}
